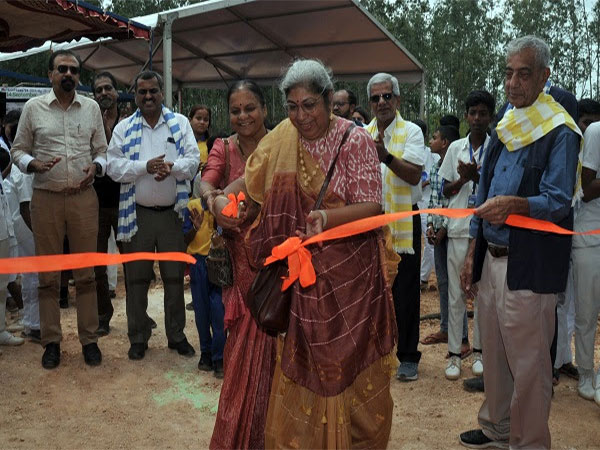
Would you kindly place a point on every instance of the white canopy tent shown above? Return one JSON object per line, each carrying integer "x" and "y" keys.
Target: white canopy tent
{"x": 211, "y": 43}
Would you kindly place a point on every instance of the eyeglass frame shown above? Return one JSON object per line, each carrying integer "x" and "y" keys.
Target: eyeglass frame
{"x": 64, "y": 68}
{"x": 377, "y": 97}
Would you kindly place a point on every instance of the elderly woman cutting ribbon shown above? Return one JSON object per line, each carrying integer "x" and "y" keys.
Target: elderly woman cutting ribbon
{"x": 331, "y": 382}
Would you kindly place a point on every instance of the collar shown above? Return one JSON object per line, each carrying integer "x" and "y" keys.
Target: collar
{"x": 51, "y": 97}
{"x": 161, "y": 120}
{"x": 468, "y": 142}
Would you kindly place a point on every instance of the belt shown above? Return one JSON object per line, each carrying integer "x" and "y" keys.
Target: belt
{"x": 157, "y": 208}
{"x": 497, "y": 251}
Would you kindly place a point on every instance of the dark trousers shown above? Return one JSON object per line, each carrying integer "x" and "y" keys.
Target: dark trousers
{"x": 208, "y": 309}
{"x": 407, "y": 298}
{"x": 158, "y": 231}
{"x": 107, "y": 219}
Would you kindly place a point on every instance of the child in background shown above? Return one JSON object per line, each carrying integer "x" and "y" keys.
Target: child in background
{"x": 436, "y": 230}
{"x": 206, "y": 297}
{"x": 200, "y": 117}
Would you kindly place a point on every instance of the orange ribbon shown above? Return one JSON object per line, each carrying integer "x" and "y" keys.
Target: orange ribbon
{"x": 299, "y": 262}
{"x": 54, "y": 263}
{"x": 231, "y": 209}
{"x": 299, "y": 259}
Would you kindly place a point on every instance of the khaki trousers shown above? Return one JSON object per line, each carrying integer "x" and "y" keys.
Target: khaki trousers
{"x": 53, "y": 215}
{"x": 517, "y": 328}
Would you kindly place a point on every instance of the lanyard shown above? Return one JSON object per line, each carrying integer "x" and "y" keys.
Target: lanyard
{"x": 481, "y": 151}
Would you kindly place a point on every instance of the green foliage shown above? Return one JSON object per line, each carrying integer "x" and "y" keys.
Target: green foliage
{"x": 460, "y": 43}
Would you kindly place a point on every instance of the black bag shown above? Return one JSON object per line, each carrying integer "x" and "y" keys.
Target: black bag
{"x": 269, "y": 306}
{"x": 218, "y": 262}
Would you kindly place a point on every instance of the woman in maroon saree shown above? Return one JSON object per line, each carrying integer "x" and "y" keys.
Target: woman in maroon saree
{"x": 331, "y": 387}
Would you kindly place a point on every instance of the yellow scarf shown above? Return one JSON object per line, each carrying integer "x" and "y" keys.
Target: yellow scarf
{"x": 396, "y": 192}
{"x": 521, "y": 127}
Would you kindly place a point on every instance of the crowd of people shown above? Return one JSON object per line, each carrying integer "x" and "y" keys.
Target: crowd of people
{"x": 78, "y": 168}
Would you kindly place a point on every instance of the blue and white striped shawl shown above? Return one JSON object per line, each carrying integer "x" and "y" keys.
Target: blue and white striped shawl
{"x": 131, "y": 148}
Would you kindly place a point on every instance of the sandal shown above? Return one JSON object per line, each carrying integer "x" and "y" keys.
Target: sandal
{"x": 436, "y": 338}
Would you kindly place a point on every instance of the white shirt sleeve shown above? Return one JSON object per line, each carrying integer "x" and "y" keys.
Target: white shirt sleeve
{"x": 591, "y": 147}
{"x": 414, "y": 148}
{"x": 449, "y": 168}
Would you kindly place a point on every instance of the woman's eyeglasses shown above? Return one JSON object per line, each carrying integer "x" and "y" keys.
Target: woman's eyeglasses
{"x": 63, "y": 69}
{"x": 308, "y": 106}
{"x": 387, "y": 97}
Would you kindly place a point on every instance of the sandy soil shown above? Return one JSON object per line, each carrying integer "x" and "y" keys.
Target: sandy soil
{"x": 163, "y": 401}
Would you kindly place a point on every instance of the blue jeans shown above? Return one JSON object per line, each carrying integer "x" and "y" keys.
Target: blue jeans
{"x": 208, "y": 310}
{"x": 440, "y": 255}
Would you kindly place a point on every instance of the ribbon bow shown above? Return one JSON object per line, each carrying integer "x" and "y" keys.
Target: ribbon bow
{"x": 299, "y": 262}
{"x": 231, "y": 209}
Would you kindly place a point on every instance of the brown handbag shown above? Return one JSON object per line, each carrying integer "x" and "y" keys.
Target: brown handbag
{"x": 219, "y": 267}
{"x": 269, "y": 306}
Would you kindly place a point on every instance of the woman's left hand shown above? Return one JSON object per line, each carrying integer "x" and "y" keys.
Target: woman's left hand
{"x": 314, "y": 225}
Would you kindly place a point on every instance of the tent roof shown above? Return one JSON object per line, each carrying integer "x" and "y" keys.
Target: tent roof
{"x": 28, "y": 23}
{"x": 222, "y": 40}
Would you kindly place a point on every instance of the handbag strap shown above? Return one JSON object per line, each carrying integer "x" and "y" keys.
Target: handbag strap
{"x": 331, "y": 167}
{"x": 227, "y": 163}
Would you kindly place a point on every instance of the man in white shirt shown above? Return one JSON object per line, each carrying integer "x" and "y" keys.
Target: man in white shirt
{"x": 460, "y": 173}
{"x": 153, "y": 153}
{"x": 400, "y": 147}
{"x": 586, "y": 258}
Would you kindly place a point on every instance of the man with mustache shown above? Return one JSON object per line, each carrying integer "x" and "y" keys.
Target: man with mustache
{"x": 401, "y": 149}
{"x": 153, "y": 154}
{"x": 61, "y": 140}
{"x": 105, "y": 93}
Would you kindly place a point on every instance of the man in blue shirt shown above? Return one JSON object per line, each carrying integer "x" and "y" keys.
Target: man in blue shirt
{"x": 529, "y": 169}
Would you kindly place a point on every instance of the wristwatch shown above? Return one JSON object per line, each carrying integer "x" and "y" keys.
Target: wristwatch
{"x": 388, "y": 159}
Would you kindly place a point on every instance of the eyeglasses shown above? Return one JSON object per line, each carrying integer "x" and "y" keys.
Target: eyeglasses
{"x": 387, "y": 97}
{"x": 106, "y": 87}
{"x": 339, "y": 104}
{"x": 308, "y": 106}
{"x": 152, "y": 91}
{"x": 63, "y": 69}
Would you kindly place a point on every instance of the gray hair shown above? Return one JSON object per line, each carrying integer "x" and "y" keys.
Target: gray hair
{"x": 383, "y": 77}
{"x": 309, "y": 73}
{"x": 540, "y": 48}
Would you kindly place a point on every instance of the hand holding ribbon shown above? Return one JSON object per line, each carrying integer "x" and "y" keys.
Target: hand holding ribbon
{"x": 232, "y": 209}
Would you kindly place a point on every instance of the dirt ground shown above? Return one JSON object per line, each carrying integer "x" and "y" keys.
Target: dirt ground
{"x": 163, "y": 401}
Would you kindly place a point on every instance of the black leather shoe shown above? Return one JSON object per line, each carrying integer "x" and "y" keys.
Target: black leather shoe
{"x": 51, "y": 356}
{"x": 183, "y": 348}
{"x": 205, "y": 362}
{"x": 474, "y": 384}
{"x": 91, "y": 354}
{"x": 218, "y": 365}
{"x": 137, "y": 351}
{"x": 103, "y": 328}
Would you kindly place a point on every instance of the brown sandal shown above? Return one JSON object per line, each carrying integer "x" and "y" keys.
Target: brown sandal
{"x": 436, "y": 338}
